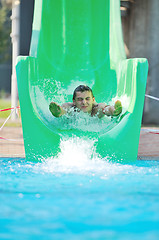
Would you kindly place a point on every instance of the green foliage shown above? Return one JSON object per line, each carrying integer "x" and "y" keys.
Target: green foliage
{"x": 4, "y": 104}
{"x": 2, "y": 93}
{"x": 5, "y": 30}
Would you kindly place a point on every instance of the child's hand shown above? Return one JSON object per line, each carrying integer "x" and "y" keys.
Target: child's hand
{"x": 55, "y": 109}
{"x": 118, "y": 108}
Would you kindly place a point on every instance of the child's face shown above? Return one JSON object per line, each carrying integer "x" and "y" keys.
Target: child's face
{"x": 84, "y": 101}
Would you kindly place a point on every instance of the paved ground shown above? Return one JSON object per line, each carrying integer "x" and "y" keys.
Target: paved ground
{"x": 14, "y": 146}
{"x": 149, "y": 144}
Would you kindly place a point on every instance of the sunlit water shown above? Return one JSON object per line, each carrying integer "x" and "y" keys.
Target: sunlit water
{"x": 78, "y": 195}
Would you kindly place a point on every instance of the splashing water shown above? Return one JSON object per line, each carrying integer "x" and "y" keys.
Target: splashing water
{"x": 79, "y": 156}
{"x": 79, "y": 195}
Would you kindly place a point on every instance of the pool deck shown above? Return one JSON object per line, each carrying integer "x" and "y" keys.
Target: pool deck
{"x": 13, "y": 146}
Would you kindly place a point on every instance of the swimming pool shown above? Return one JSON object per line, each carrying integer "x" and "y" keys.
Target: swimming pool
{"x": 78, "y": 197}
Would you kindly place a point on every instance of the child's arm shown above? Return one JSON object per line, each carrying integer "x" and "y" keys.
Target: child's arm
{"x": 113, "y": 110}
{"x": 108, "y": 110}
{"x": 57, "y": 110}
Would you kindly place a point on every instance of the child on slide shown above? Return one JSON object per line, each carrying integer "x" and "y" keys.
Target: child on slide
{"x": 84, "y": 100}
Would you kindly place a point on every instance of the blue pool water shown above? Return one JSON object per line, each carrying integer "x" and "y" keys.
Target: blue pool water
{"x": 78, "y": 197}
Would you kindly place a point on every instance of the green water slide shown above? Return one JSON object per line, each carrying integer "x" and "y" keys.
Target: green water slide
{"x": 80, "y": 42}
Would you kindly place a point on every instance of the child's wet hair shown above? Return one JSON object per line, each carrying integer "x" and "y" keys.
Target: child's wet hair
{"x": 82, "y": 88}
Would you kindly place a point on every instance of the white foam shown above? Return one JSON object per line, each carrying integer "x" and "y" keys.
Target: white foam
{"x": 78, "y": 156}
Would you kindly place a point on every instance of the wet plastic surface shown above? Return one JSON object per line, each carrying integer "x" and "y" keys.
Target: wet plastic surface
{"x": 76, "y": 44}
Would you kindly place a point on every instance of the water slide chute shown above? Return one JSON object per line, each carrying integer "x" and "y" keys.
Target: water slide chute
{"x": 79, "y": 42}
